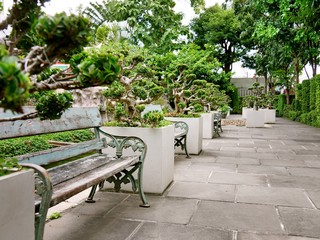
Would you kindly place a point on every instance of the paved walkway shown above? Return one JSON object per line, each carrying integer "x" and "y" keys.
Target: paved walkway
{"x": 249, "y": 184}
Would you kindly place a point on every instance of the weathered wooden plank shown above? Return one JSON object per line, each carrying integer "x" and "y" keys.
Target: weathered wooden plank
{"x": 75, "y": 185}
{"x": 61, "y": 153}
{"x": 74, "y": 118}
{"x": 72, "y": 169}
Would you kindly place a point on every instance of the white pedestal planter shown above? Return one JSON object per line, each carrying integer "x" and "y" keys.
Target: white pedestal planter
{"x": 207, "y": 129}
{"x": 159, "y": 162}
{"x": 194, "y": 137}
{"x": 17, "y": 206}
{"x": 270, "y": 115}
{"x": 245, "y": 112}
{"x": 255, "y": 118}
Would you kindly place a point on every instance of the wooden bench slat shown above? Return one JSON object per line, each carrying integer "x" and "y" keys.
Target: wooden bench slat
{"x": 61, "y": 153}
{"x": 75, "y": 185}
{"x": 72, "y": 169}
{"x": 72, "y": 119}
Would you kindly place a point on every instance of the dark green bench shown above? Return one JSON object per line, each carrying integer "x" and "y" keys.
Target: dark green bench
{"x": 180, "y": 135}
{"x": 217, "y": 126}
{"x": 63, "y": 181}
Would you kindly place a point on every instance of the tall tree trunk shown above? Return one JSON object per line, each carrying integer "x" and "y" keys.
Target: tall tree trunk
{"x": 266, "y": 84}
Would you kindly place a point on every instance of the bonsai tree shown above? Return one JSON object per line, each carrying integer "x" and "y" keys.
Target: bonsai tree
{"x": 258, "y": 96}
{"x": 190, "y": 76}
{"x": 35, "y": 43}
{"x": 135, "y": 87}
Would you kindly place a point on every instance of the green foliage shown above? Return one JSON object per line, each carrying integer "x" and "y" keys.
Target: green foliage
{"x": 313, "y": 92}
{"x": 153, "y": 118}
{"x": 71, "y": 136}
{"x": 55, "y": 215}
{"x": 198, "y": 108}
{"x": 8, "y": 166}
{"x": 96, "y": 67}
{"x": 72, "y": 31}
{"x": 235, "y": 101}
{"x": 219, "y": 27}
{"x": 317, "y": 80}
{"x": 281, "y": 105}
{"x": 153, "y": 23}
{"x": 52, "y": 105}
{"x": 14, "y": 83}
{"x": 20, "y": 146}
{"x": 305, "y": 95}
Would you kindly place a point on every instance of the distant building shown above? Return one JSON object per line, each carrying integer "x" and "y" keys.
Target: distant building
{"x": 243, "y": 84}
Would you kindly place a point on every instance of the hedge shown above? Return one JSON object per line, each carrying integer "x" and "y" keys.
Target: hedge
{"x": 20, "y": 146}
{"x": 305, "y": 96}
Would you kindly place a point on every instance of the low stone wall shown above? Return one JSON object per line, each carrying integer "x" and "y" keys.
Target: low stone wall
{"x": 237, "y": 122}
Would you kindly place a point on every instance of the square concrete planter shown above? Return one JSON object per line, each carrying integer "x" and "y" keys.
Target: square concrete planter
{"x": 158, "y": 166}
{"x": 195, "y": 134}
{"x": 207, "y": 128}
{"x": 270, "y": 115}
{"x": 245, "y": 112}
{"x": 255, "y": 118}
{"x": 17, "y": 206}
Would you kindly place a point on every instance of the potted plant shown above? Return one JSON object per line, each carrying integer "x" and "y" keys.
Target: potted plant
{"x": 16, "y": 200}
{"x": 256, "y": 117}
{"x": 192, "y": 88}
{"x": 126, "y": 100}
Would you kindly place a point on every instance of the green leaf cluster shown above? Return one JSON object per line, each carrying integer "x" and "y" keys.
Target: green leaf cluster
{"x": 8, "y": 166}
{"x": 14, "y": 84}
{"x": 52, "y": 105}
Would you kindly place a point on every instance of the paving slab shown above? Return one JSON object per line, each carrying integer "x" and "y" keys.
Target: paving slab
{"x": 310, "y": 172}
{"x": 262, "y": 169}
{"x": 237, "y": 216}
{"x": 313, "y": 163}
{"x": 238, "y": 178}
{"x": 300, "y": 221}
{"x": 159, "y": 231}
{"x": 206, "y": 191}
{"x": 315, "y": 197}
{"x": 294, "y": 181}
{"x": 273, "y": 196}
{"x": 284, "y": 163}
{"x": 76, "y": 227}
{"x": 189, "y": 175}
{"x": 165, "y": 210}
{"x": 215, "y": 167}
{"x": 254, "y": 236}
{"x": 237, "y": 160}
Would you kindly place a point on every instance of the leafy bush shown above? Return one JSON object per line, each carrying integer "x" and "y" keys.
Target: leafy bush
{"x": 20, "y": 146}
{"x": 305, "y": 96}
{"x": 281, "y": 104}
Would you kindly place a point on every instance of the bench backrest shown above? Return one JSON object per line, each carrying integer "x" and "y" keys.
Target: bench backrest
{"x": 72, "y": 119}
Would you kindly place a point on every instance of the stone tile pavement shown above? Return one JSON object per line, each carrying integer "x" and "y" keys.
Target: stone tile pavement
{"x": 248, "y": 184}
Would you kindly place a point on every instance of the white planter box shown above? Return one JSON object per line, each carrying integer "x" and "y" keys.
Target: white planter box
{"x": 17, "y": 206}
{"x": 245, "y": 112}
{"x": 255, "y": 118}
{"x": 270, "y": 115}
{"x": 207, "y": 128}
{"x": 159, "y": 162}
{"x": 194, "y": 137}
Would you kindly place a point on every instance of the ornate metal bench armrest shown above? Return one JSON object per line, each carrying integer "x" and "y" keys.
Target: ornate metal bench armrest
{"x": 43, "y": 188}
{"x": 124, "y": 142}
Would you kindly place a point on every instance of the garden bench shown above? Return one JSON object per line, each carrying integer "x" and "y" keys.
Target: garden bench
{"x": 59, "y": 183}
{"x": 180, "y": 135}
{"x": 217, "y": 123}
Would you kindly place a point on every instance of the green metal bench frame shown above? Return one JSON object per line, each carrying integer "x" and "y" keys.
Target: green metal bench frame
{"x": 59, "y": 183}
{"x": 217, "y": 126}
{"x": 180, "y": 136}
